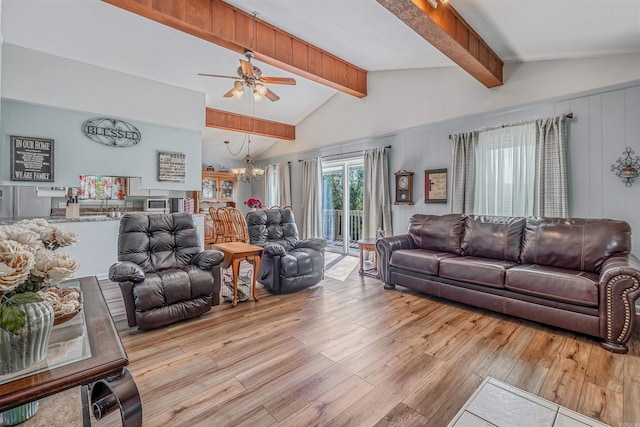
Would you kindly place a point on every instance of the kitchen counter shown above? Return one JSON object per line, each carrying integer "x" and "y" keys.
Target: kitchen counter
{"x": 97, "y": 247}
{"x": 83, "y": 218}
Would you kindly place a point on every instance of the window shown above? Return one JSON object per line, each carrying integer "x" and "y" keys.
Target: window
{"x": 505, "y": 171}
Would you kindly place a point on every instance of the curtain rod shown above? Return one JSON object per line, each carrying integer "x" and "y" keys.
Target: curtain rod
{"x": 568, "y": 116}
{"x": 342, "y": 154}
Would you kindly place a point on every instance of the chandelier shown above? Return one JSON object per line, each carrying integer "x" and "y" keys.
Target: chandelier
{"x": 249, "y": 173}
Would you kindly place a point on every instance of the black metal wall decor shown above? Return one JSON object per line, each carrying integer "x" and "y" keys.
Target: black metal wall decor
{"x": 111, "y": 132}
{"x": 627, "y": 167}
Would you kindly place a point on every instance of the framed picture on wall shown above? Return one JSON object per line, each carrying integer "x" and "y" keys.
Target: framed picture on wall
{"x": 32, "y": 159}
{"x": 435, "y": 186}
{"x": 171, "y": 167}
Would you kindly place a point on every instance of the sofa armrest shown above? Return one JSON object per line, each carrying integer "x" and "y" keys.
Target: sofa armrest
{"x": 385, "y": 248}
{"x": 312, "y": 243}
{"x": 619, "y": 287}
{"x": 126, "y": 271}
{"x": 207, "y": 259}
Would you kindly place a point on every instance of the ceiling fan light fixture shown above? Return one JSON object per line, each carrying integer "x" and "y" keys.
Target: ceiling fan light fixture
{"x": 261, "y": 89}
{"x": 256, "y": 96}
{"x": 238, "y": 90}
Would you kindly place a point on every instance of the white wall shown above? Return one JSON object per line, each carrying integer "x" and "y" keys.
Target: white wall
{"x": 37, "y": 77}
{"x": 407, "y": 98}
{"x": 50, "y": 97}
{"x": 606, "y": 120}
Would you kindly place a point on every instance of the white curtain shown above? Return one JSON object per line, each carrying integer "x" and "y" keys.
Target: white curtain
{"x": 311, "y": 198}
{"x": 505, "y": 171}
{"x": 276, "y": 185}
{"x": 376, "y": 199}
{"x": 283, "y": 179}
{"x": 269, "y": 186}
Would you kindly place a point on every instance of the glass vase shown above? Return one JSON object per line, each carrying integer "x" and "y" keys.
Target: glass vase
{"x": 18, "y": 352}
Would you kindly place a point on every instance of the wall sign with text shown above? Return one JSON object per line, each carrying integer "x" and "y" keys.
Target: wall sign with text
{"x": 31, "y": 159}
{"x": 171, "y": 166}
{"x": 111, "y": 132}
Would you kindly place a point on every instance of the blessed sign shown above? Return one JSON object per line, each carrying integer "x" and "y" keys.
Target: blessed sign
{"x": 112, "y": 132}
{"x": 31, "y": 159}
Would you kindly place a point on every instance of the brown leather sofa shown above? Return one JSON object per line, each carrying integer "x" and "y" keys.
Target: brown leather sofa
{"x": 576, "y": 274}
{"x": 163, "y": 273}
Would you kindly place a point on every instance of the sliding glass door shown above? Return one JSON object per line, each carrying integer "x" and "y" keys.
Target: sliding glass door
{"x": 342, "y": 192}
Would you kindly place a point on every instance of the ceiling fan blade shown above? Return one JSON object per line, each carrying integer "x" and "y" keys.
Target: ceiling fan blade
{"x": 228, "y": 94}
{"x": 218, "y": 75}
{"x": 278, "y": 80}
{"x": 271, "y": 96}
{"x": 246, "y": 66}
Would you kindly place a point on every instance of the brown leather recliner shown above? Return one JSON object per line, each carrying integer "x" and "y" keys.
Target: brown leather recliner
{"x": 163, "y": 274}
{"x": 288, "y": 263}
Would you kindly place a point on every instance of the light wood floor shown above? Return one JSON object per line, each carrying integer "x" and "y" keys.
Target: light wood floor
{"x": 352, "y": 354}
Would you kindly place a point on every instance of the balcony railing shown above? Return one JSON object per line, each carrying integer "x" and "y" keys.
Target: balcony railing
{"x": 332, "y": 221}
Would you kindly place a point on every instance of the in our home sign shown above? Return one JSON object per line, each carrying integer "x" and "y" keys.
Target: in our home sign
{"x": 111, "y": 132}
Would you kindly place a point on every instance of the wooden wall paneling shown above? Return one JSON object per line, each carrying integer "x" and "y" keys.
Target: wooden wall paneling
{"x": 578, "y": 156}
{"x": 198, "y": 13}
{"x": 613, "y": 134}
{"x": 596, "y": 158}
{"x": 223, "y": 23}
{"x": 632, "y": 139}
{"x": 284, "y": 48}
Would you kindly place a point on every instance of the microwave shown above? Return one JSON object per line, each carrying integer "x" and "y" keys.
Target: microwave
{"x": 156, "y": 205}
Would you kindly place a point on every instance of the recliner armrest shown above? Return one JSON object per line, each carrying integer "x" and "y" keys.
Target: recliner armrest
{"x": 207, "y": 259}
{"x": 274, "y": 249}
{"x": 312, "y": 243}
{"x": 126, "y": 271}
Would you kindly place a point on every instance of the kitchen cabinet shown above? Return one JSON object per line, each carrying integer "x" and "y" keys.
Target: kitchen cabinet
{"x": 219, "y": 189}
{"x": 133, "y": 189}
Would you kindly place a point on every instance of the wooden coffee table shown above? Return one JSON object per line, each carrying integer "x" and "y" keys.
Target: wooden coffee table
{"x": 234, "y": 254}
{"x": 85, "y": 351}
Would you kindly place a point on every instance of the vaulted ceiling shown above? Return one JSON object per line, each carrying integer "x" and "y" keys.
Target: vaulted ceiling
{"x": 367, "y": 35}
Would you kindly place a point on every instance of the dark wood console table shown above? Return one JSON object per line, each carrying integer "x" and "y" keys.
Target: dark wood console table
{"x": 85, "y": 351}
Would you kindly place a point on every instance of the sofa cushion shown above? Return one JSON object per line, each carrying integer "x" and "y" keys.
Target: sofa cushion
{"x": 419, "y": 260}
{"x": 481, "y": 271}
{"x": 439, "y": 233}
{"x": 559, "y": 284}
{"x": 494, "y": 237}
{"x": 574, "y": 243}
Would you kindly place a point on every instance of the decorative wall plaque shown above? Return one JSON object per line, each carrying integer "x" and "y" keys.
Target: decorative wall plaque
{"x": 112, "y": 132}
{"x": 171, "y": 167}
{"x": 435, "y": 186}
{"x": 31, "y": 159}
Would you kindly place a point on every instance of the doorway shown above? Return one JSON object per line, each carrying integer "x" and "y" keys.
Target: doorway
{"x": 342, "y": 203}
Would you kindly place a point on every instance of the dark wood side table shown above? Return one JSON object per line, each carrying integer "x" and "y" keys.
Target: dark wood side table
{"x": 85, "y": 351}
{"x": 368, "y": 245}
{"x": 234, "y": 254}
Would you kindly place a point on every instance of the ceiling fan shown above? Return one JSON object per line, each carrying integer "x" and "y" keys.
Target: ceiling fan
{"x": 251, "y": 77}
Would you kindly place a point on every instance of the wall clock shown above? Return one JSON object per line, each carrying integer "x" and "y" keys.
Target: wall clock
{"x": 404, "y": 188}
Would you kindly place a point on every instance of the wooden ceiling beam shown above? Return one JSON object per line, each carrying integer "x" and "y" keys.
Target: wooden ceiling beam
{"x": 246, "y": 124}
{"x": 232, "y": 28}
{"x": 446, "y": 30}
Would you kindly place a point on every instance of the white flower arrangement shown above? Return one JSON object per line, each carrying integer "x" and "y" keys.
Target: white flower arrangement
{"x": 28, "y": 263}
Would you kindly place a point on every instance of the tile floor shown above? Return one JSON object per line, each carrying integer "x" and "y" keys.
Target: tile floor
{"x": 495, "y": 403}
